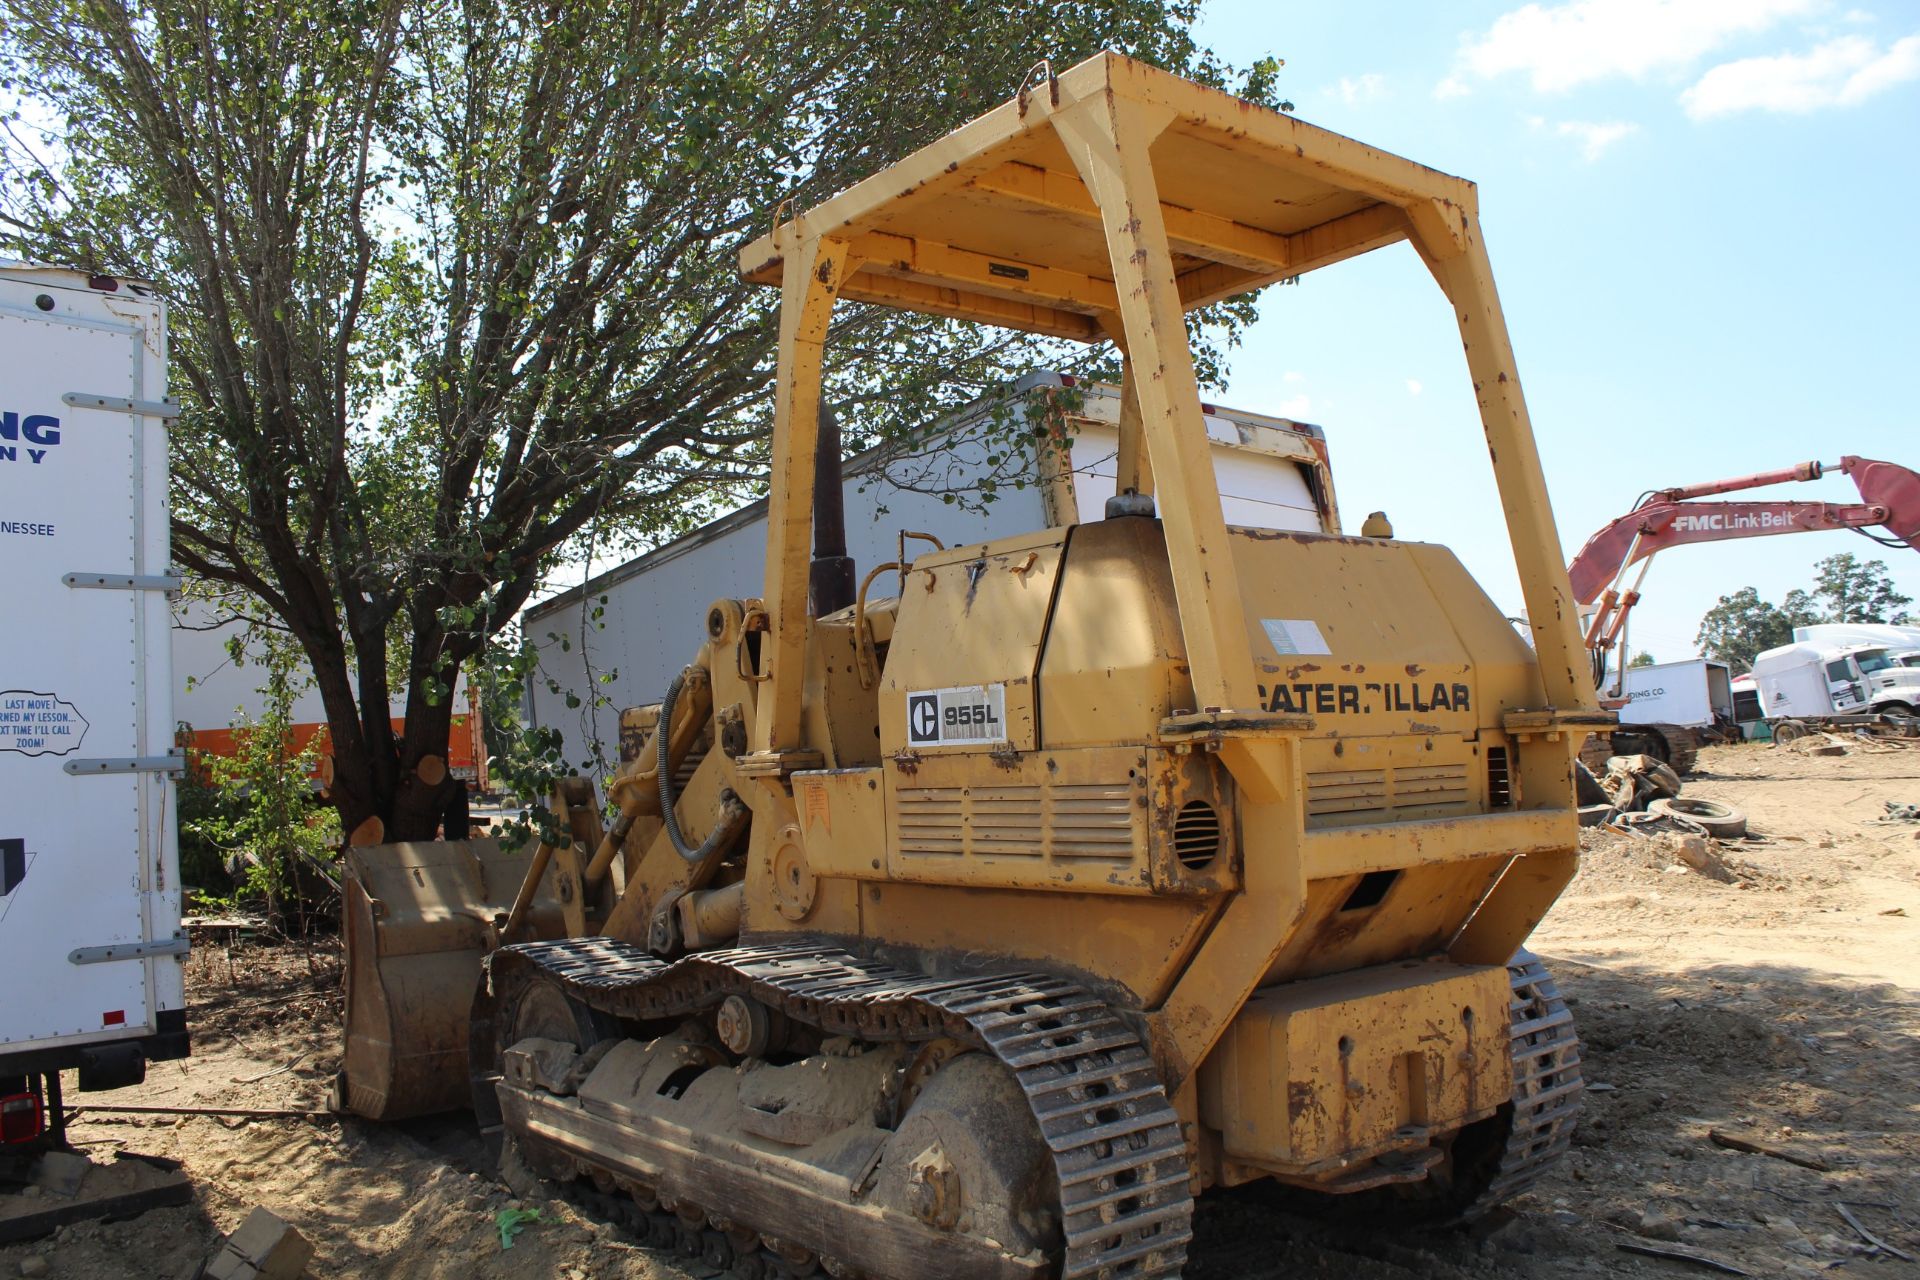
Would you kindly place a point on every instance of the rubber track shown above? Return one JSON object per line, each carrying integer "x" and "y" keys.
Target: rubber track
{"x": 1547, "y": 1084}
{"x": 1126, "y": 1204}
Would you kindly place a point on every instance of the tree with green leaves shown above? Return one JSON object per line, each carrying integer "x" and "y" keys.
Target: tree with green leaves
{"x": 1642, "y": 659}
{"x": 1852, "y": 590}
{"x": 1740, "y": 626}
{"x": 454, "y": 284}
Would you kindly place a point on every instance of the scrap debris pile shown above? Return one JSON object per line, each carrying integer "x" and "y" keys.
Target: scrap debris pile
{"x": 1642, "y": 797}
{"x": 1824, "y": 742}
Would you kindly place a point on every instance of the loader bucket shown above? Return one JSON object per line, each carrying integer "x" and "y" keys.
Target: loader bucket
{"x": 418, "y": 919}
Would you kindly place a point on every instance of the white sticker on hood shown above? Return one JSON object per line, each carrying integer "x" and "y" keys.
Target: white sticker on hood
{"x": 1294, "y": 635}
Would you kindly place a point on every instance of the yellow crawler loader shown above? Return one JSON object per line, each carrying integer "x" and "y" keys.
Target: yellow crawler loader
{"x": 975, "y": 930}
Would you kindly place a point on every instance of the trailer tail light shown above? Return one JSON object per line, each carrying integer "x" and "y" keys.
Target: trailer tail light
{"x": 21, "y": 1118}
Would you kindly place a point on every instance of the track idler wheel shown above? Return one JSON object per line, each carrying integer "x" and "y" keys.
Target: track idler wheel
{"x": 531, "y": 1005}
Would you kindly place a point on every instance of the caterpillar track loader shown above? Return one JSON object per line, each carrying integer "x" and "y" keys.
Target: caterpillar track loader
{"x": 975, "y": 930}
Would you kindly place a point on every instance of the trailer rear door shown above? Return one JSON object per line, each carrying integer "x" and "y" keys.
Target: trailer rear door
{"x": 89, "y": 917}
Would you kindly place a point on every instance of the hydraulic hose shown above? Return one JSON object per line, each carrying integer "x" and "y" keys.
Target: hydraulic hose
{"x": 733, "y": 814}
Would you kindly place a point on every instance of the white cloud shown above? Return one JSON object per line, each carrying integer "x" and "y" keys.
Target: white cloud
{"x": 1362, "y": 88}
{"x": 1293, "y": 375}
{"x": 1840, "y": 73}
{"x": 1561, "y": 46}
{"x": 1299, "y": 408}
{"x": 1413, "y": 386}
{"x": 1451, "y": 87}
{"x": 1594, "y": 139}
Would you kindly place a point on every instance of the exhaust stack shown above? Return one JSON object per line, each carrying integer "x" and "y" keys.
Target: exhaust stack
{"x": 830, "y": 575}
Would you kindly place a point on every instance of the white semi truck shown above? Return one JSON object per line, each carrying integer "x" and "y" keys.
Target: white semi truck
{"x": 91, "y": 944}
{"x": 1851, "y": 684}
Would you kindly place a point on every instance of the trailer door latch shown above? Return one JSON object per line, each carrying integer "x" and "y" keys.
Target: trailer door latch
{"x": 174, "y": 946}
{"x": 163, "y": 409}
{"x": 172, "y": 762}
{"x": 166, "y": 582}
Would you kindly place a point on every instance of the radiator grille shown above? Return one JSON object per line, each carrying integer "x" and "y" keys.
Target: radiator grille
{"x": 1084, "y": 821}
{"x": 1339, "y": 796}
{"x": 1421, "y": 786}
{"x": 1346, "y": 791}
{"x": 933, "y": 821}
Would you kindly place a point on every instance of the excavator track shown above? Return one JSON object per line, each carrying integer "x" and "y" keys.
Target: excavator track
{"x": 1683, "y": 747}
{"x": 1675, "y": 744}
{"x": 1115, "y": 1141}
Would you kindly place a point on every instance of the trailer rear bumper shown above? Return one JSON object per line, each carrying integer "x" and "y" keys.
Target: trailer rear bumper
{"x": 108, "y": 1064}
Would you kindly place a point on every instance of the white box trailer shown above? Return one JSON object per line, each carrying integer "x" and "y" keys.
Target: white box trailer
{"x": 1273, "y": 474}
{"x": 90, "y": 937}
{"x": 1845, "y": 635}
{"x": 1697, "y": 694}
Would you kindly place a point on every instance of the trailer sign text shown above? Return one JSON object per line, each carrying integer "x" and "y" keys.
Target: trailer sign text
{"x": 39, "y": 724}
{"x": 32, "y": 429}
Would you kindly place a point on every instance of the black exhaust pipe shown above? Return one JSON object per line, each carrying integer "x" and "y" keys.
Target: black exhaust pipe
{"x": 830, "y": 575}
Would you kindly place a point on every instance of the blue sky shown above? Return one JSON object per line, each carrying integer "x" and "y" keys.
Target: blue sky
{"x": 1702, "y": 219}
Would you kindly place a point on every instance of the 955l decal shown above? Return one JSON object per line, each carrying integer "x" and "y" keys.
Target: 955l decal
{"x": 972, "y": 713}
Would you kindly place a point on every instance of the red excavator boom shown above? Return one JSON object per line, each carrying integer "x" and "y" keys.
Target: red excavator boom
{"x": 1890, "y": 498}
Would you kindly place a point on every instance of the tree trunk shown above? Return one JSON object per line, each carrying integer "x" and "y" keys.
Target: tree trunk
{"x": 417, "y": 804}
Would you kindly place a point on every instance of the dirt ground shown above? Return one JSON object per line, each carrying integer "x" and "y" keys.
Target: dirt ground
{"x": 1776, "y": 1002}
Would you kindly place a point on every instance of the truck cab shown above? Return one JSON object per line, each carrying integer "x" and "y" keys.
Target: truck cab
{"x": 1892, "y": 679}
{"x": 1807, "y": 679}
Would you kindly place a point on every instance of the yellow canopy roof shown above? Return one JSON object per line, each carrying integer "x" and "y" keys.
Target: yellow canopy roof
{"x": 993, "y": 223}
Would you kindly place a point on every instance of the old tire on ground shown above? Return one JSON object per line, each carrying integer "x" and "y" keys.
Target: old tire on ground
{"x": 1721, "y": 821}
{"x": 1790, "y": 731}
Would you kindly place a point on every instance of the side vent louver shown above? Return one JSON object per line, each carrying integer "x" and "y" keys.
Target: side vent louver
{"x": 1499, "y": 779}
{"x": 1196, "y": 834}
